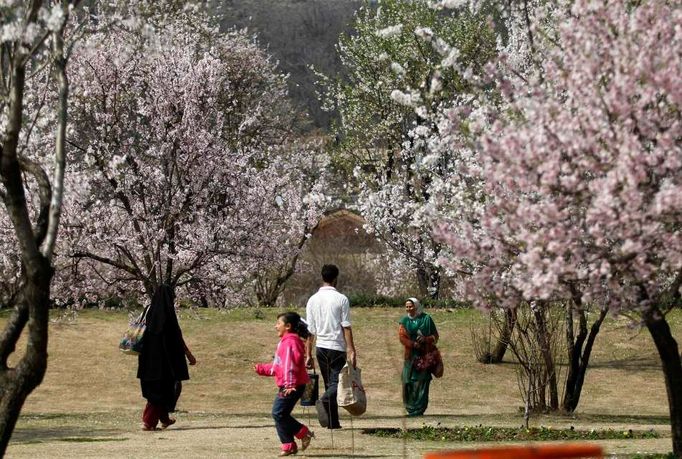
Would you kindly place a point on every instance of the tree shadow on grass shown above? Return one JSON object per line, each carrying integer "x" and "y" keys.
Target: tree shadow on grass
{"x": 22, "y": 436}
{"x": 629, "y": 364}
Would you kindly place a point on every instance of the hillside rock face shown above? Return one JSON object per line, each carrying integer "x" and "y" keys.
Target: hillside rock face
{"x": 298, "y": 33}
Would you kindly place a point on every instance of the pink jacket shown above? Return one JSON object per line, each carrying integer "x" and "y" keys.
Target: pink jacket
{"x": 288, "y": 368}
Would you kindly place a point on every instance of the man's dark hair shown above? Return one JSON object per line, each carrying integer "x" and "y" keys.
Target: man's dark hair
{"x": 329, "y": 273}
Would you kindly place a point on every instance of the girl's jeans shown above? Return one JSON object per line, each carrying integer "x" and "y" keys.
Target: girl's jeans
{"x": 282, "y": 407}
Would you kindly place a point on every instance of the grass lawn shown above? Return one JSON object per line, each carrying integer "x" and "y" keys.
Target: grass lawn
{"x": 89, "y": 404}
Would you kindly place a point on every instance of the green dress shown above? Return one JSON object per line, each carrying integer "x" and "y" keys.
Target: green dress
{"x": 416, "y": 383}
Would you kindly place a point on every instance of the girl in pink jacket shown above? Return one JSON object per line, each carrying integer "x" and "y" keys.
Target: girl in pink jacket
{"x": 291, "y": 376}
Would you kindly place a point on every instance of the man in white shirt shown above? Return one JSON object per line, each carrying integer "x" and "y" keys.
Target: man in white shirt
{"x": 328, "y": 318}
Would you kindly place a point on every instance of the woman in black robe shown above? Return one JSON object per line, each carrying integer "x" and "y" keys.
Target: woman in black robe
{"x": 162, "y": 366}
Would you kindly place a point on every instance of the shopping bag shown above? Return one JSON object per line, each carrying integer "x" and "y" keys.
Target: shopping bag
{"x": 312, "y": 390}
{"x": 350, "y": 392}
{"x": 432, "y": 361}
{"x": 131, "y": 343}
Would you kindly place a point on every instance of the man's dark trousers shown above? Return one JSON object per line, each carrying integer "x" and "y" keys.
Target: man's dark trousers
{"x": 331, "y": 362}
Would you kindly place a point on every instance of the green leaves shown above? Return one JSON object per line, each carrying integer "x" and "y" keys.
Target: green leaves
{"x": 483, "y": 433}
{"x": 409, "y": 47}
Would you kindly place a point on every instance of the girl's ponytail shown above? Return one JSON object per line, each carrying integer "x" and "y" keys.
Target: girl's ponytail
{"x": 298, "y": 325}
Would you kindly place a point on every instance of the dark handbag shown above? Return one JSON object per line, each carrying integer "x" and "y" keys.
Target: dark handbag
{"x": 312, "y": 390}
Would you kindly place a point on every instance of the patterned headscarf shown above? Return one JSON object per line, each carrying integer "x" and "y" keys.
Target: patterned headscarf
{"x": 417, "y": 306}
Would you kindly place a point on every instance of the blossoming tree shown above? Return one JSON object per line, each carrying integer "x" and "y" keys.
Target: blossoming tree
{"x": 405, "y": 60}
{"x": 170, "y": 156}
{"x": 301, "y": 188}
{"x": 584, "y": 182}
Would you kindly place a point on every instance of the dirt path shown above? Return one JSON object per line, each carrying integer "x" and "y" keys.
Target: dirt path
{"x": 248, "y": 436}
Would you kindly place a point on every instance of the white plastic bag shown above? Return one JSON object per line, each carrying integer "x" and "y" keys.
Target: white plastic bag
{"x": 350, "y": 392}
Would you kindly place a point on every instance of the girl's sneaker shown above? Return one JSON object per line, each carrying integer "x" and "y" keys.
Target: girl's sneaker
{"x": 288, "y": 449}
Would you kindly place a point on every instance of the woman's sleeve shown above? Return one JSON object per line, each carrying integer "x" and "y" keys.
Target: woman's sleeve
{"x": 404, "y": 337}
{"x": 433, "y": 338}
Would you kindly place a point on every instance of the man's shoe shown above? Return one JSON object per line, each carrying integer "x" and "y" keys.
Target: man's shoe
{"x": 322, "y": 414}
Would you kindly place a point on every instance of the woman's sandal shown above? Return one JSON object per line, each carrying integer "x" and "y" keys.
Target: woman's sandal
{"x": 170, "y": 422}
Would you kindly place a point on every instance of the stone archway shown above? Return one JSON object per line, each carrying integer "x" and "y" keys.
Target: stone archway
{"x": 338, "y": 238}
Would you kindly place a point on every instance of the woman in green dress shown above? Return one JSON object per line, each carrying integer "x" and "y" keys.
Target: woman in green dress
{"x": 418, "y": 334}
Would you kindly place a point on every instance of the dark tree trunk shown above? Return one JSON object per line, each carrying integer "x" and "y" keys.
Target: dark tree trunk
{"x": 672, "y": 370}
{"x": 17, "y": 383}
{"x": 579, "y": 350}
{"x": 505, "y": 332}
{"x": 429, "y": 282}
{"x": 544, "y": 342}
{"x": 505, "y": 335}
{"x": 35, "y": 242}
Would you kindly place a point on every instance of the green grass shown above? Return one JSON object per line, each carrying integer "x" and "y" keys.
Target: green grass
{"x": 483, "y": 433}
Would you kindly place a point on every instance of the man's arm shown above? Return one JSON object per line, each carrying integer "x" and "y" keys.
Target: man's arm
{"x": 310, "y": 341}
{"x": 350, "y": 346}
{"x": 309, "y": 362}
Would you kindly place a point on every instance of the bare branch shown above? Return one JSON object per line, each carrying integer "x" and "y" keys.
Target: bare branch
{"x": 55, "y": 212}
{"x": 44, "y": 192}
{"x": 108, "y": 261}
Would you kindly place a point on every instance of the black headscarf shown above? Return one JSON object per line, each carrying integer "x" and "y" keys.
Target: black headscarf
{"x": 163, "y": 350}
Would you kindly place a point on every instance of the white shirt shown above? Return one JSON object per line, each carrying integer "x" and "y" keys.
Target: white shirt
{"x": 327, "y": 313}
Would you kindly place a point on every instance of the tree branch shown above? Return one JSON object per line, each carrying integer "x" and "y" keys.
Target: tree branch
{"x": 44, "y": 193}
{"x": 55, "y": 211}
{"x": 13, "y": 328}
{"x": 108, "y": 261}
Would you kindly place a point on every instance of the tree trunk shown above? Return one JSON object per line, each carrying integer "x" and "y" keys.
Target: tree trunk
{"x": 17, "y": 383}
{"x": 543, "y": 341}
{"x": 429, "y": 282}
{"x": 505, "y": 332}
{"x": 32, "y": 308}
{"x": 672, "y": 370}
{"x": 505, "y": 335}
{"x": 578, "y": 356}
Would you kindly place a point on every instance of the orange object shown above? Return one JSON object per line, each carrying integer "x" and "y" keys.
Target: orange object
{"x": 562, "y": 451}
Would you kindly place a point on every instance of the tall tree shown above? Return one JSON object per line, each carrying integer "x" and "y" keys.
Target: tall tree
{"x": 403, "y": 61}
{"x": 586, "y": 177}
{"x": 33, "y": 73}
{"x": 176, "y": 125}
{"x": 301, "y": 186}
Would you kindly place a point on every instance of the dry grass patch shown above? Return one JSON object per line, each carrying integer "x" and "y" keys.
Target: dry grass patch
{"x": 89, "y": 403}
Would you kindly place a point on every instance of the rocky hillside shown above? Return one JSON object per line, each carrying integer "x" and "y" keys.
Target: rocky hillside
{"x": 299, "y": 33}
